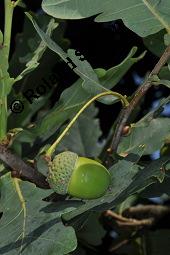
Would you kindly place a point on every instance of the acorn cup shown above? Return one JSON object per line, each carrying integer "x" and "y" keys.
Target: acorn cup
{"x": 78, "y": 176}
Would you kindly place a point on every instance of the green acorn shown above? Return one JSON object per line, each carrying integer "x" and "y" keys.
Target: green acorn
{"x": 78, "y": 176}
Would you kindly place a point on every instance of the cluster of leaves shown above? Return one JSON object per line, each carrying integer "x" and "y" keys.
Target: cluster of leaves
{"x": 30, "y": 225}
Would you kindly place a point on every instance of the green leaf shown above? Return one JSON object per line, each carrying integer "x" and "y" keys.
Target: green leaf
{"x": 154, "y": 15}
{"x": 68, "y": 105}
{"x": 92, "y": 231}
{"x": 163, "y": 82}
{"x": 37, "y": 54}
{"x": 71, "y": 100}
{"x": 23, "y": 118}
{"x": 148, "y": 175}
{"x": 83, "y": 137}
{"x": 49, "y": 42}
{"x": 157, "y": 189}
{"x": 80, "y": 92}
{"x": 25, "y": 228}
{"x": 130, "y": 201}
{"x": 27, "y": 43}
{"x": 157, "y": 111}
{"x": 115, "y": 74}
{"x": 122, "y": 174}
{"x": 109, "y": 78}
{"x": 128, "y": 178}
{"x": 81, "y": 67}
{"x": 147, "y": 131}
{"x": 164, "y": 73}
{"x": 167, "y": 39}
{"x": 151, "y": 133}
{"x": 25, "y": 136}
{"x": 91, "y": 82}
{"x": 100, "y": 72}
{"x": 22, "y": 4}
{"x": 43, "y": 76}
{"x": 155, "y": 43}
{"x": 41, "y": 164}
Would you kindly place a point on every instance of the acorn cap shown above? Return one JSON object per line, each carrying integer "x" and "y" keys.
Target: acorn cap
{"x": 60, "y": 171}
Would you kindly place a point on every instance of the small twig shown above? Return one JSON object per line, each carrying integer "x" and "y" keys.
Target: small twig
{"x": 160, "y": 215}
{"x": 125, "y": 112}
{"x": 21, "y": 170}
{"x": 139, "y": 219}
{"x": 115, "y": 216}
{"x": 123, "y": 242}
{"x": 137, "y": 223}
{"x": 123, "y": 221}
{"x": 148, "y": 216}
{"x": 119, "y": 245}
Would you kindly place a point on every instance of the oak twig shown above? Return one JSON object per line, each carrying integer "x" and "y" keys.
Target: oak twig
{"x": 141, "y": 91}
{"x": 139, "y": 219}
{"x": 149, "y": 216}
{"x": 131, "y": 222}
{"x": 22, "y": 170}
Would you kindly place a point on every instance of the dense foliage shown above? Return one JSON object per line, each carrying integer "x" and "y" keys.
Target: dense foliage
{"x": 35, "y": 125}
